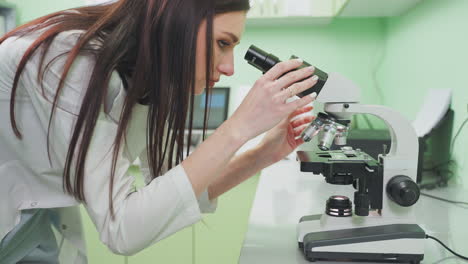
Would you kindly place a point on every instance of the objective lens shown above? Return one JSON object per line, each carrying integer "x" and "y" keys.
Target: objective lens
{"x": 312, "y": 130}
{"x": 329, "y": 131}
{"x": 341, "y": 135}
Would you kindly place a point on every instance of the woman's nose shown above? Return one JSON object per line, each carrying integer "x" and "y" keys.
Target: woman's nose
{"x": 226, "y": 66}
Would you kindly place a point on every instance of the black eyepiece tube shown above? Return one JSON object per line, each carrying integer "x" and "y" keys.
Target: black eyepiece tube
{"x": 261, "y": 59}
{"x": 264, "y": 61}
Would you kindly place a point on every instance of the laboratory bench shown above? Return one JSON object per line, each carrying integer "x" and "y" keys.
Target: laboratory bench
{"x": 284, "y": 195}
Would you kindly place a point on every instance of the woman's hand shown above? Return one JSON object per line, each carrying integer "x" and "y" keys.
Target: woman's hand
{"x": 282, "y": 139}
{"x": 265, "y": 105}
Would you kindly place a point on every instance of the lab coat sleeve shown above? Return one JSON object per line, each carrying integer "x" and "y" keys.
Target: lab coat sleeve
{"x": 206, "y": 205}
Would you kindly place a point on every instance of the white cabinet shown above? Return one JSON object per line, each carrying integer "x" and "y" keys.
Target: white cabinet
{"x": 316, "y": 12}
{"x": 293, "y": 12}
{"x": 295, "y": 8}
{"x": 377, "y": 8}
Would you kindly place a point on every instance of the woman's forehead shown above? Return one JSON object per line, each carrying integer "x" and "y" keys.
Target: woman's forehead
{"x": 232, "y": 23}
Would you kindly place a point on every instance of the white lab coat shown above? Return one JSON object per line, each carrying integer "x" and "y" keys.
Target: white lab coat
{"x": 28, "y": 180}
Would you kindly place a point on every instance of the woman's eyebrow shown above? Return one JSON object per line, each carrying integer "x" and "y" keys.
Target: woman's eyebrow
{"x": 235, "y": 39}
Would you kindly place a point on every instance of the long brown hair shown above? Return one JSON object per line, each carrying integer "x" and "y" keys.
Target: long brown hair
{"x": 152, "y": 45}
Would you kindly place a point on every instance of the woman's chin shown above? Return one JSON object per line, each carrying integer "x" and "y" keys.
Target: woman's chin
{"x": 199, "y": 91}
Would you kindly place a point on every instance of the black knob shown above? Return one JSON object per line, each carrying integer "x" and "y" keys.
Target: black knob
{"x": 403, "y": 190}
{"x": 339, "y": 206}
{"x": 361, "y": 204}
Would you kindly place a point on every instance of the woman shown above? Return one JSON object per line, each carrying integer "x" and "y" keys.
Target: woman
{"x": 91, "y": 89}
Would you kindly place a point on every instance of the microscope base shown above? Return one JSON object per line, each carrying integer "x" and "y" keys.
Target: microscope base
{"x": 364, "y": 257}
{"x": 385, "y": 243}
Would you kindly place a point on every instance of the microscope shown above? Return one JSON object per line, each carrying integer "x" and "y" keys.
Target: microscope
{"x": 382, "y": 226}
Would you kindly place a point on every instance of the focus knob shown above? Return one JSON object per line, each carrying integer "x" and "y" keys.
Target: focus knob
{"x": 403, "y": 190}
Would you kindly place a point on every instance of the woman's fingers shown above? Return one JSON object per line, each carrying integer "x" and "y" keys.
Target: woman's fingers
{"x": 300, "y": 111}
{"x": 297, "y": 88}
{"x": 281, "y": 68}
{"x": 302, "y": 121}
{"x": 299, "y": 141}
{"x": 294, "y": 105}
{"x": 298, "y": 130}
{"x": 294, "y": 77}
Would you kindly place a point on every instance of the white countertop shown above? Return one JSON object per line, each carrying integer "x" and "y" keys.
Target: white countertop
{"x": 284, "y": 195}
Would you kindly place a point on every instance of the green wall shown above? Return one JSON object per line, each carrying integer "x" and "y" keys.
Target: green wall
{"x": 28, "y": 10}
{"x": 427, "y": 48}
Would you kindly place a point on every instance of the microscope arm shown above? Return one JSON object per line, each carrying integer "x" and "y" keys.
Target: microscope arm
{"x": 402, "y": 160}
{"x": 341, "y": 97}
{"x": 404, "y": 142}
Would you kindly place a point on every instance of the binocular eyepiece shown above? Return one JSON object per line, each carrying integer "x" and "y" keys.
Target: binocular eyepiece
{"x": 264, "y": 61}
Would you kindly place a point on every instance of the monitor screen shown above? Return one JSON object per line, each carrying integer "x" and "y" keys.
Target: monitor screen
{"x": 218, "y": 108}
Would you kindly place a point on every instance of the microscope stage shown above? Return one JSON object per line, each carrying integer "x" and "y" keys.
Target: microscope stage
{"x": 317, "y": 161}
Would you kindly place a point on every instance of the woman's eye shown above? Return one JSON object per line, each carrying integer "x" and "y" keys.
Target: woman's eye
{"x": 223, "y": 43}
